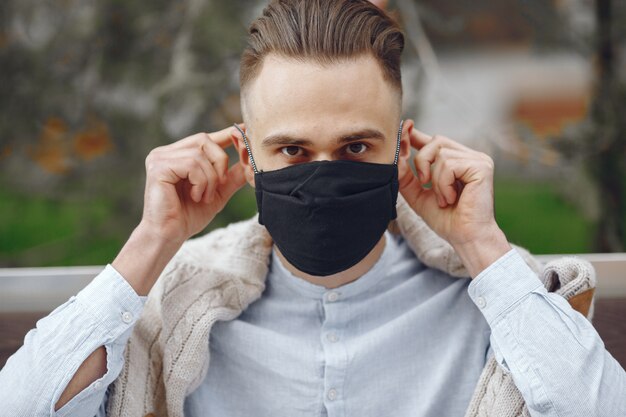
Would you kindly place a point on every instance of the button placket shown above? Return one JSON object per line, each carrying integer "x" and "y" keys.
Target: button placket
{"x": 332, "y": 296}
{"x": 127, "y": 317}
{"x": 332, "y": 394}
{"x": 335, "y": 357}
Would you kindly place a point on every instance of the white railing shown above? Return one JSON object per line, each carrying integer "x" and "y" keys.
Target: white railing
{"x": 43, "y": 289}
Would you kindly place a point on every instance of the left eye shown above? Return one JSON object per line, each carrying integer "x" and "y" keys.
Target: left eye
{"x": 357, "y": 148}
{"x": 290, "y": 150}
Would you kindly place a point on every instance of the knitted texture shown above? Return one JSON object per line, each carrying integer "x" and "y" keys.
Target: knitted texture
{"x": 210, "y": 278}
{"x": 216, "y": 276}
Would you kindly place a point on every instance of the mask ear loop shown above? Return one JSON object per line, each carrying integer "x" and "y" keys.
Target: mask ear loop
{"x": 245, "y": 140}
{"x": 395, "y": 159}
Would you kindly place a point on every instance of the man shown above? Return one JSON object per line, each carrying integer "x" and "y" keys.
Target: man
{"x": 315, "y": 308}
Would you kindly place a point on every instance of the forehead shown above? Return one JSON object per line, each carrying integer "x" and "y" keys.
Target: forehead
{"x": 302, "y": 95}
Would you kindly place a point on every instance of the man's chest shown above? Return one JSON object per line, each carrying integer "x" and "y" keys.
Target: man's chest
{"x": 401, "y": 351}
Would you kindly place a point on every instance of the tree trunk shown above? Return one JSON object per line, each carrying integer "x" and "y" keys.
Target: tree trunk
{"x": 607, "y": 144}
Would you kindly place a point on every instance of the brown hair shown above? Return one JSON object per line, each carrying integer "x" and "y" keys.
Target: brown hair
{"x": 325, "y": 31}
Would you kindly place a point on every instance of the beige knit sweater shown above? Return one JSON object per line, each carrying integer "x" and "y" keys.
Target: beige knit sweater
{"x": 216, "y": 276}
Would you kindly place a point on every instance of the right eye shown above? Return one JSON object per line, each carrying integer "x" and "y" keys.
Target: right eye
{"x": 290, "y": 150}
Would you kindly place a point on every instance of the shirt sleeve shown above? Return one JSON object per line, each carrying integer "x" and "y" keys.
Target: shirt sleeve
{"x": 554, "y": 354}
{"x": 101, "y": 314}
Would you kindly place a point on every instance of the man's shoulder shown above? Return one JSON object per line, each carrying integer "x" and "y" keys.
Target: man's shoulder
{"x": 238, "y": 251}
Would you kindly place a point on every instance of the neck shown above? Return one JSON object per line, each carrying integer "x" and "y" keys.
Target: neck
{"x": 343, "y": 277}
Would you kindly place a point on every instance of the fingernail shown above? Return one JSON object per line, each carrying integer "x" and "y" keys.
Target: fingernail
{"x": 420, "y": 175}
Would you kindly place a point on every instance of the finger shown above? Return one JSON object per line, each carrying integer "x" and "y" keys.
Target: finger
{"x": 435, "y": 187}
{"x": 211, "y": 176}
{"x": 213, "y": 180}
{"x": 443, "y": 173}
{"x": 195, "y": 158}
{"x": 235, "y": 179}
{"x": 423, "y": 201}
{"x": 429, "y": 153}
{"x": 423, "y": 168}
{"x": 453, "y": 173}
{"x": 175, "y": 170}
{"x": 217, "y": 156}
{"x": 444, "y": 178}
{"x": 223, "y": 137}
{"x": 419, "y": 139}
{"x": 210, "y": 173}
{"x": 409, "y": 186}
{"x": 407, "y": 181}
{"x": 206, "y": 146}
{"x": 424, "y": 159}
{"x": 190, "y": 142}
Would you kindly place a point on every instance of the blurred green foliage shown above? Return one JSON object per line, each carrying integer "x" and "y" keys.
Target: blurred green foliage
{"x": 43, "y": 232}
{"x": 61, "y": 232}
{"x": 533, "y": 215}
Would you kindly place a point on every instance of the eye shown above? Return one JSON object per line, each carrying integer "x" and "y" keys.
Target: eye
{"x": 356, "y": 148}
{"x": 290, "y": 150}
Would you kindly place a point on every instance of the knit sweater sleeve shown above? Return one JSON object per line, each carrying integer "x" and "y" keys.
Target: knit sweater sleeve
{"x": 101, "y": 314}
{"x": 555, "y": 356}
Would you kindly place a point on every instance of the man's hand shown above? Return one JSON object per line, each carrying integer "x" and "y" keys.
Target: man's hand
{"x": 188, "y": 182}
{"x": 459, "y": 206}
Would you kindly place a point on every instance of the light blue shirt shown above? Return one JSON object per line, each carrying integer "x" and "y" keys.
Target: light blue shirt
{"x": 402, "y": 340}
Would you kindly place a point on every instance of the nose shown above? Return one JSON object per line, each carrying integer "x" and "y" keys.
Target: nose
{"x": 323, "y": 156}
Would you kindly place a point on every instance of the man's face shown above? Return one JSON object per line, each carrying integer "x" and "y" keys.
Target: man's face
{"x": 298, "y": 111}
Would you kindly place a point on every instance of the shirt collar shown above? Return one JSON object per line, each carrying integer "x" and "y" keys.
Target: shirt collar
{"x": 280, "y": 275}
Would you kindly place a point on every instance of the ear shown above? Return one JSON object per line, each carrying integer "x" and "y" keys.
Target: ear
{"x": 242, "y": 151}
{"x": 405, "y": 140}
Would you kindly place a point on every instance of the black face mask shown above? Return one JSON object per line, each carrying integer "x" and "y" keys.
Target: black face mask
{"x": 326, "y": 216}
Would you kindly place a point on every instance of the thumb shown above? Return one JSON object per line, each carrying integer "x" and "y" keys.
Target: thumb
{"x": 422, "y": 200}
{"x": 409, "y": 184}
{"x": 235, "y": 179}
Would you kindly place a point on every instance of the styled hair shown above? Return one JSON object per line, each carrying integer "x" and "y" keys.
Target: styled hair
{"x": 325, "y": 32}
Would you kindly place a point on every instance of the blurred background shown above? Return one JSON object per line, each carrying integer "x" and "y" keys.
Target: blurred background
{"x": 88, "y": 88}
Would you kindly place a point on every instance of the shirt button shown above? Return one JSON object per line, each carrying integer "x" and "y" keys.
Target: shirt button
{"x": 332, "y": 394}
{"x": 96, "y": 385}
{"x": 127, "y": 317}
{"x": 480, "y": 302}
{"x": 332, "y": 337}
{"x": 332, "y": 296}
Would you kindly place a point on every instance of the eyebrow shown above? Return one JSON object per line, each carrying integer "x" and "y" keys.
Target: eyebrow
{"x": 283, "y": 139}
